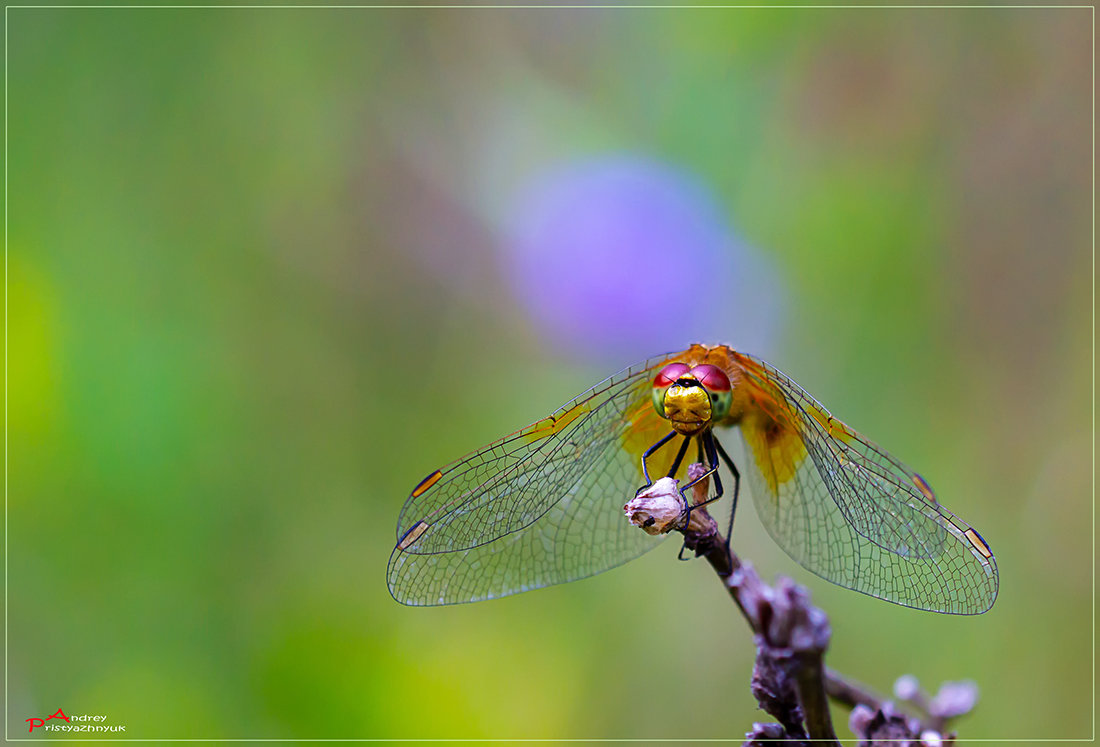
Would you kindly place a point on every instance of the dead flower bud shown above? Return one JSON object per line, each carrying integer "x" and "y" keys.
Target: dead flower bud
{"x": 906, "y": 687}
{"x": 700, "y": 522}
{"x": 954, "y": 699}
{"x": 859, "y": 720}
{"x": 657, "y": 509}
{"x": 929, "y": 738}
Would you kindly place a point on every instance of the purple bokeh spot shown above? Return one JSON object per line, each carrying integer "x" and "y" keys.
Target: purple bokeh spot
{"x": 626, "y": 256}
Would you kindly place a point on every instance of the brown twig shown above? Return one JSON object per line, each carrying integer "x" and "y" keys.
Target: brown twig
{"x": 791, "y": 635}
{"x": 849, "y": 692}
{"x": 790, "y": 679}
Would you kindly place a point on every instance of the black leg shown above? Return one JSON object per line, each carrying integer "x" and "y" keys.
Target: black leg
{"x": 649, "y": 452}
{"x": 712, "y": 471}
{"x": 712, "y": 458}
{"x": 708, "y": 457}
{"x": 679, "y": 456}
{"x": 736, "y": 486}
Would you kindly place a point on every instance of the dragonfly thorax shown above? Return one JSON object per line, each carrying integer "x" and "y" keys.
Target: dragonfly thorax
{"x": 691, "y": 398}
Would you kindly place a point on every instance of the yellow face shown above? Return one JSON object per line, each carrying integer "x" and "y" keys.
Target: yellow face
{"x": 691, "y": 398}
{"x": 687, "y": 407}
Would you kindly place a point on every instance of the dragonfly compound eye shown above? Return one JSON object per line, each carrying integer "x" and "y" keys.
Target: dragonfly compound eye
{"x": 717, "y": 384}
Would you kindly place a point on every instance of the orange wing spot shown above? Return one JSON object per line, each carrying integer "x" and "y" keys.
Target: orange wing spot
{"x": 412, "y": 535}
{"x": 777, "y": 448}
{"x": 771, "y": 428}
{"x": 978, "y": 542}
{"x": 550, "y": 425}
{"x": 426, "y": 483}
{"x": 925, "y": 488}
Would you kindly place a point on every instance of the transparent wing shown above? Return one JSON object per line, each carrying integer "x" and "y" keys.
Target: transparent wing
{"x": 542, "y": 506}
{"x": 850, "y": 512}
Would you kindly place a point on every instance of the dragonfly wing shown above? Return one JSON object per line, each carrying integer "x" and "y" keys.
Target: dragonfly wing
{"x": 850, "y": 512}
{"x": 540, "y": 507}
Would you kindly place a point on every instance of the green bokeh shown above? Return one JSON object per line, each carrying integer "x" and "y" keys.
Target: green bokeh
{"x": 233, "y": 350}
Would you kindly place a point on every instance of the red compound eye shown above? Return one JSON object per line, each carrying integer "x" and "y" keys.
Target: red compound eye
{"x": 670, "y": 373}
{"x": 711, "y": 377}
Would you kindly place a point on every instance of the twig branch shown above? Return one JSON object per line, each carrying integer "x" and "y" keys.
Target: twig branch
{"x": 791, "y": 634}
{"x": 849, "y": 692}
{"x": 790, "y": 679}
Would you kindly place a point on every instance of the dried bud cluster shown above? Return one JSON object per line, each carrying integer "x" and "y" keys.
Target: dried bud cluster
{"x": 889, "y": 726}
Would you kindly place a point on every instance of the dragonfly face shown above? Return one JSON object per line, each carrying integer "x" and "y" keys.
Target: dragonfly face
{"x": 691, "y": 398}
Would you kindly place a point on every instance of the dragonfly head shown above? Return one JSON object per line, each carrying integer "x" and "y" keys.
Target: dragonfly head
{"x": 691, "y": 398}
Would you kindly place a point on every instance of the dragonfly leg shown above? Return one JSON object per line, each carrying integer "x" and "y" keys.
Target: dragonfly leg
{"x": 736, "y": 486}
{"x": 679, "y": 456}
{"x": 708, "y": 456}
{"x": 649, "y": 452}
{"x": 713, "y": 471}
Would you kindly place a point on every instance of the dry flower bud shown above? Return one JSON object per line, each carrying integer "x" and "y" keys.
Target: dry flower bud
{"x": 700, "y": 522}
{"x": 859, "y": 720}
{"x": 931, "y": 738}
{"x": 657, "y": 509}
{"x": 954, "y": 699}
{"x": 907, "y": 687}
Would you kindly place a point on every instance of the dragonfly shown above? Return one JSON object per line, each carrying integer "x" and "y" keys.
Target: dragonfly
{"x": 543, "y": 505}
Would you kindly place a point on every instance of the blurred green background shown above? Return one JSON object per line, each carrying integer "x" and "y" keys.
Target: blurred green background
{"x": 267, "y": 268}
